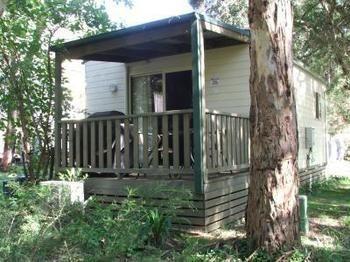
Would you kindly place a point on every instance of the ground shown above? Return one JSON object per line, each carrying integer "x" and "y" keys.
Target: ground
{"x": 328, "y": 239}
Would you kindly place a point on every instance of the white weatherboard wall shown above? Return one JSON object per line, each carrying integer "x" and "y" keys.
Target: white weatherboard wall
{"x": 305, "y": 87}
{"x": 101, "y": 77}
{"x": 229, "y": 67}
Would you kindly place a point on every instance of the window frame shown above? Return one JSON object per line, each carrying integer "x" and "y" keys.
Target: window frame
{"x": 129, "y": 91}
{"x": 318, "y": 106}
{"x": 155, "y": 72}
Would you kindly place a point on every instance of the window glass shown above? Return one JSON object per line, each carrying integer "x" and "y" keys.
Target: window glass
{"x": 147, "y": 94}
{"x": 318, "y": 105}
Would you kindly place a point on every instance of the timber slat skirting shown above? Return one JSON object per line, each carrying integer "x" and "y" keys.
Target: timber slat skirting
{"x": 223, "y": 201}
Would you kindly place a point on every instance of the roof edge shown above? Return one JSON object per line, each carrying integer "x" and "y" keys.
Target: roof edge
{"x": 309, "y": 71}
{"x": 188, "y": 17}
{"x": 127, "y": 30}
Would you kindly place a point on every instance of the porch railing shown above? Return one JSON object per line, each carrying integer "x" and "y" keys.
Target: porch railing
{"x": 153, "y": 143}
{"x": 227, "y": 142}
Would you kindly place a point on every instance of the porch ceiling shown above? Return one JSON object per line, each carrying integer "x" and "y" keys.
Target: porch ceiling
{"x": 156, "y": 39}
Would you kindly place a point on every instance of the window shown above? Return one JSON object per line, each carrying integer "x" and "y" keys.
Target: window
{"x": 159, "y": 92}
{"x": 318, "y": 105}
{"x": 147, "y": 94}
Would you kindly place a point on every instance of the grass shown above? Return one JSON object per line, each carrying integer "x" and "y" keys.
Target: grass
{"x": 328, "y": 239}
{"x": 329, "y": 212}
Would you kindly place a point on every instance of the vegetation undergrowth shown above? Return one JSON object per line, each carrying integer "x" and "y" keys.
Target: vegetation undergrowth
{"x": 329, "y": 213}
{"x": 39, "y": 225}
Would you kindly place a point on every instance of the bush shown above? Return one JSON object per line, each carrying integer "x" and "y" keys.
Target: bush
{"x": 36, "y": 227}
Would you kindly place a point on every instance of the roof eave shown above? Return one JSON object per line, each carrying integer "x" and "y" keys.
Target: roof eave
{"x": 245, "y": 34}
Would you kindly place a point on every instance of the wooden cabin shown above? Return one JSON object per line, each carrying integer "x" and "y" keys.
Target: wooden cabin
{"x": 168, "y": 101}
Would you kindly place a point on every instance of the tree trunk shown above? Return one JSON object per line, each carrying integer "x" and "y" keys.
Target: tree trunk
{"x": 9, "y": 144}
{"x": 7, "y": 152}
{"x": 2, "y": 7}
{"x": 272, "y": 211}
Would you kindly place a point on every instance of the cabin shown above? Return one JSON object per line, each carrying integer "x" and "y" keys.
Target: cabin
{"x": 168, "y": 102}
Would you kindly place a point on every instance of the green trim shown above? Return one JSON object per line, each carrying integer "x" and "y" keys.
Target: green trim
{"x": 190, "y": 17}
{"x": 58, "y": 109}
{"x": 125, "y": 31}
{"x": 200, "y": 170}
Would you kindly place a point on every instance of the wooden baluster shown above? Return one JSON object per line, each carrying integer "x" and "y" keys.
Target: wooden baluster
{"x": 127, "y": 143}
{"x": 93, "y": 144}
{"x": 186, "y": 135}
{"x": 218, "y": 140}
{"x": 145, "y": 141}
{"x": 214, "y": 153}
{"x": 243, "y": 141}
{"x": 155, "y": 161}
{"x": 241, "y": 146}
{"x": 64, "y": 145}
{"x": 117, "y": 144}
{"x": 165, "y": 131}
{"x": 77, "y": 145}
{"x": 85, "y": 145}
{"x": 224, "y": 141}
{"x": 238, "y": 146}
{"x": 246, "y": 143}
{"x": 234, "y": 143}
{"x": 71, "y": 145}
{"x": 229, "y": 141}
{"x": 100, "y": 145}
{"x": 176, "y": 142}
{"x": 208, "y": 139}
{"x": 135, "y": 142}
{"x": 109, "y": 144}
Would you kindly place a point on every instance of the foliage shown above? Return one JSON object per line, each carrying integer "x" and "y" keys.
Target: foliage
{"x": 72, "y": 174}
{"x": 330, "y": 184}
{"x": 195, "y": 249}
{"x": 322, "y": 40}
{"x": 229, "y": 11}
{"x": 157, "y": 226}
{"x": 27, "y": 29}
{"x": 37, "y": 227}
{"x": 329, "y": 209}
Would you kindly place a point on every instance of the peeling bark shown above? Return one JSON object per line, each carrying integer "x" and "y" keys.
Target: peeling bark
{"x": 272, "y": 210}
{"x": 9, "y": 144}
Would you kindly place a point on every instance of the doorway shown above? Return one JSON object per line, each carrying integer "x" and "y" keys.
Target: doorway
{"x": 178, "y": 90}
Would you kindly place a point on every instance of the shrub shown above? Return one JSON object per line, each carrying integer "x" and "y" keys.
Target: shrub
{"x": 72, "y": 175}
{"x": 37, "y": 227}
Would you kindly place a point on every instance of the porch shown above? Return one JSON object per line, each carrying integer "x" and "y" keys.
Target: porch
{"x": 153, "y": 144}
{"x": 187, "y": 142}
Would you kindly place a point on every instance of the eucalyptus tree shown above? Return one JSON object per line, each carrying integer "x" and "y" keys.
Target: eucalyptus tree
{"x": 272, "y": 208}
{"x": 27, "y": 29}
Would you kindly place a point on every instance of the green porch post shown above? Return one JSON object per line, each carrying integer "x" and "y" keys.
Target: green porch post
{"x": 58, "y": 109}
{"x": 198, "y": 82}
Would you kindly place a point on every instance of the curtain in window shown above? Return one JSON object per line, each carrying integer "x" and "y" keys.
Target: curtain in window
{"x": 147, "y": 94}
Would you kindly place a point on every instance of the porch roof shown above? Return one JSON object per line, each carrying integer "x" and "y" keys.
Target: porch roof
{"x": 164, "y": 37}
